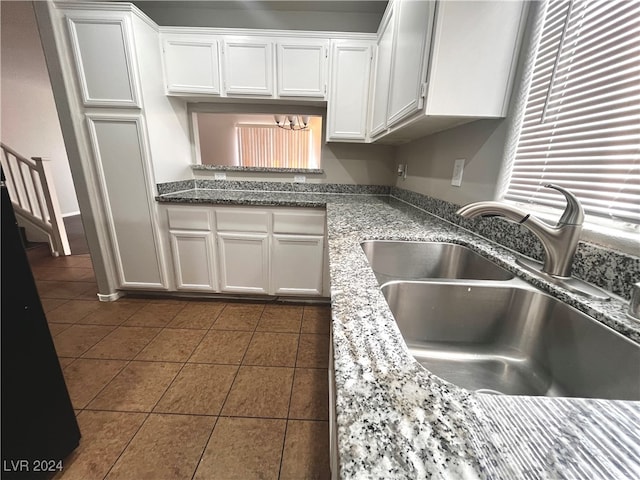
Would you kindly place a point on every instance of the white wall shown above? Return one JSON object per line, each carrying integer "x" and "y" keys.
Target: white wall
{"x": 29, "y": 121}
{"x": 354, "y": 163}
{"x": 482, "y": 144}
{"x": 218, "y": 142}
{"x": 166, "y": 117}
{"x": 430, "y": 161}
{"x": 350, "y": 163}
{"x": 358, "y": 16}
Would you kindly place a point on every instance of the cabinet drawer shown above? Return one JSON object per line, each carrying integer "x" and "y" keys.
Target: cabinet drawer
{"x": 242, "y": 220}
{"x": 306, "y": 223}
{"x": 185, "y": 218}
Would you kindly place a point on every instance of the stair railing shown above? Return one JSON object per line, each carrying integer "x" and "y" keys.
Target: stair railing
{"x": 34, "y": 198}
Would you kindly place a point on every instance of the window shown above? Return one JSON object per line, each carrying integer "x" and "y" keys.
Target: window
{"x": 272, "y": 146}
{"x": 581, "y": 123}
{"x": 254, "y": 140}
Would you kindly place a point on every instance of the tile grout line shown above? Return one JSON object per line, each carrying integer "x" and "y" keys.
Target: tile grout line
{"x": 127, "y": 445}
{"x": 183, "y": 363}
{"x": 129, "y": 361}
{"x": 293, "y": 380}
{"x": 241, "y": 360}
{"x": 152, "y": 408}
{"x": 206, "y": 444}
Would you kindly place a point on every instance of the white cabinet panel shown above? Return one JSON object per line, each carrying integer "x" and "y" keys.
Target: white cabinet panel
{"x": 302, "y": 68}
{"x": 248, "y": 66}
{"x": 244, "y": 262}
{"x": 349, "y": 90}
{"x": 103, "y": 54}
{"x": 242, "y": 219}
{"x": 380, "y": 96}
{"x": 126, "y": 185}
{"x": 472, "y": 60}
{"x": 252, "y": 250}
{"x": 299, "y": 222}
{"x": 414, "y": 21}
{"x": 190, "y": 218}
{"x": 193, "y": 260}
{"x": 297, "y": 264}
{"x": 191, "y": 65}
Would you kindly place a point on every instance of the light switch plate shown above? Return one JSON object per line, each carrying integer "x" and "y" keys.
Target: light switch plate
{"x": 220, "y": 176}
{"x": 458, "y": 169}
{"x": 299, "y": 178}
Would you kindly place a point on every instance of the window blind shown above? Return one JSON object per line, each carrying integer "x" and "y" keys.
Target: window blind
{"x": 272, "y": 146}
{"x": 581, "y": 123}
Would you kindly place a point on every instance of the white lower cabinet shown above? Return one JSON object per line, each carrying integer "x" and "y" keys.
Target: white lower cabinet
{"x": 297, "y": 264}
{"x": 193, "y": 260}
{"x": 248, "y": 250}
{"x": 244, "y": 262}
{"x": 192, "y": 239}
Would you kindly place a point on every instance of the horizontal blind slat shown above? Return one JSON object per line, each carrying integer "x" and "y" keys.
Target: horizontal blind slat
{"x": 589, "y": 141}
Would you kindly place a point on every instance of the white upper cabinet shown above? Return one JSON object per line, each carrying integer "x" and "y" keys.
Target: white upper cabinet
{"x": 349, "y": 90}
{"x": 451, "y": 63}
{"x": 191, "y": 64}
{"x": 102, "y": 46}
{"x": 412, "y": 35}
{"x": 382, "y": 69}
{"x": 302, "y": 67}
{"x": 473, "y": 58}
{"x": 248, "y": 66}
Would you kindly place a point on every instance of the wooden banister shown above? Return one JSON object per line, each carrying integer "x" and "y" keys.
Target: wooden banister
{"x": 35, "y": 189}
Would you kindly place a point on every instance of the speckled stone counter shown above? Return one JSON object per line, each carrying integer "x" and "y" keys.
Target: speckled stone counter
{"x": 397, "y": 420}
{"x": 279, "y": 170}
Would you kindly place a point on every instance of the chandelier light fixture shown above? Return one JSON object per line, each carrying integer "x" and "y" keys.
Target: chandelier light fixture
{"x": 292, "y": 122}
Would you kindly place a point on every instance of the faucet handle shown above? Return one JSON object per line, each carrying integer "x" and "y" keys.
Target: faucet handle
{"x": 573, "y": 213}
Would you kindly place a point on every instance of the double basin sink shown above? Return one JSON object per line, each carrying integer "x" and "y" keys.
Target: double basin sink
{"x": 472, "y": 323}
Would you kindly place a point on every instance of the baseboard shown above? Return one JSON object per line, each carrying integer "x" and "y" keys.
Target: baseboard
{"x": 109, "y": 298}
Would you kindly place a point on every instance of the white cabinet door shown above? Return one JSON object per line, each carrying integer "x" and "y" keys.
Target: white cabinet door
{"x": 193, "y": 260}
{"x": 248, "y": 66}
{"x": 297, "y": 264}
{"x": 380, "y": 96}
{"x": 302, "y": 68}
{"x": 126, "y": 184}
{"x": 104, "y": 59}
{"x": 349, "y": 90}
{"x": 414, "y": 22}
{"x": 191, "y": 65}
{"x": 473, "y": 57}
{"x": 244, "y": 262}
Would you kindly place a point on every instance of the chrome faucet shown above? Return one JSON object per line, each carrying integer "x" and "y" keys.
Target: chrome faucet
{"x": 559, "y": 242}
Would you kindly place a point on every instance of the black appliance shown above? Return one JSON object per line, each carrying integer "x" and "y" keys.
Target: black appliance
{"x": 39, "y": 427}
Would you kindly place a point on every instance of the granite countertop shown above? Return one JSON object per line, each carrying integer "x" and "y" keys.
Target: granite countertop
{"x": 234, "y": 168}
{"x": 397, "y": 420}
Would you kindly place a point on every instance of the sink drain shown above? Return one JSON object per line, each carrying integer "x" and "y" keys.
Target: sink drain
{"x": 488, "y": 391}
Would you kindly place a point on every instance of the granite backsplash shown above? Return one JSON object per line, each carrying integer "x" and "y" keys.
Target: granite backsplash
{"x": 614, "y": 271}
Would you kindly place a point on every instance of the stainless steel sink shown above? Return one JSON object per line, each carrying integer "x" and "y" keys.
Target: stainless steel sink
{"x": 396, "y": 260}
{"x": 499, "y": 338}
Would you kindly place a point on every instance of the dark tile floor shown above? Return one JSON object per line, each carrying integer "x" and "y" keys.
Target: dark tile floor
{"x": 182, "y": 389}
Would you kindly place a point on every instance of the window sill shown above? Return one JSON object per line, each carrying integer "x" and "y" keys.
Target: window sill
{"x": 225, "y": 168}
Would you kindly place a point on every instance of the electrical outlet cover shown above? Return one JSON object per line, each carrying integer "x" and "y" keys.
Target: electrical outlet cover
{"x": 220, "y": 176}
{"x": 299, "y": 178}
{"x": 458, "y": 170}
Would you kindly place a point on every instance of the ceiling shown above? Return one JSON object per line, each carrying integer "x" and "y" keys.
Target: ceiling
{"x": 329, "y": 15}
{"x": 353, "y": 6}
